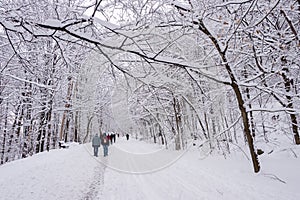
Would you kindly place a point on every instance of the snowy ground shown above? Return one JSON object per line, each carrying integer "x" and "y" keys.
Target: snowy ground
{"x": 136, "y": 170}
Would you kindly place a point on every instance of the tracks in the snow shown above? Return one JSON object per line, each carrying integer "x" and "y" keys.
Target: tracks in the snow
{"x": 96, "y": 187}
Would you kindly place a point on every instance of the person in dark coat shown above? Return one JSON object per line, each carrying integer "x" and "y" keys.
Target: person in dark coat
{"x": 105, "y": 144}
{"x": 111, "y": 138}
{"x": 96, "y": 144}
{"x": 108, "y": 136}
{"x": 127, "y": 136}
{"x": 114, "y": 137}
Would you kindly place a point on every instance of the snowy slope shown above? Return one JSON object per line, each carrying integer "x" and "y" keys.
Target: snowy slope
{"x": 136, "y": 170}
{"x": 58, "y": 174}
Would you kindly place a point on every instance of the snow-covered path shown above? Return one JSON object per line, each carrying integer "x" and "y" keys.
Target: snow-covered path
{"x": 184, "y": 176}
{"x": 136, "y": 170}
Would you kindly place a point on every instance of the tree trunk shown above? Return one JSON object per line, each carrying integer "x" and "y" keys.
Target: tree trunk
{"x": 178, "y": 138}
{"x": 10, "y": 155}
{"x": 49, "y": 131}
{"x": 4, "y": 135}
{"x": 211, "y": 146}
{"x": 76, "y": 130}
{"x": 88, "y": 129}
{"x": 246, "y": 124}
{"x": 250, "y": 106}
{"x": 288, "y": 87}
{"x": 198, "y": 117}
{"x": 238, "y": 94}
{"x": 65, "y": 114}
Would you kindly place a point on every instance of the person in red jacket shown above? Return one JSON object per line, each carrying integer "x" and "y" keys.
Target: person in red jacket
{"x": 105, "y": 144}
{"x": 108, "y": 136}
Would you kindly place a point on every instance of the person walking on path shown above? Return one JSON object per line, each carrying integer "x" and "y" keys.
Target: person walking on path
{"x": 111, "y": 138}
{"x": 114, "y": 137}
{"x": 105, "y": 143}
{"x": 127, "y": 136}
{"x": 108, "y": 136}
{"x": 96, "y": 144}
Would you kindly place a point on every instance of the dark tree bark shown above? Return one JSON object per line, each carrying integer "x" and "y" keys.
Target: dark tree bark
{"x": 177, "y": 115}
{"x": 65, "y": 118}
{"x": 238, "y": 94}
{"x": 4, "y": 136}
{"x": 288, "y": 84}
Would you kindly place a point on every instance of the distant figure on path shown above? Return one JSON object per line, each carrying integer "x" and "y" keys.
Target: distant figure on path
{"x": 96, "y": 144}
{"x": 108, "y": 136}
{"x": 114, "y": 137}
{"x": 127, "y": 136}
{"x": 105, "y": 144}
{"x": 111, "y": 138}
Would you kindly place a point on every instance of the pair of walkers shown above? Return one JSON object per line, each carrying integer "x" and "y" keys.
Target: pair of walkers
{"x": 104, "y": 141}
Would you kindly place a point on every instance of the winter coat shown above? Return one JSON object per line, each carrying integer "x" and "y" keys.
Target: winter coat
{"x": 104, "y": 140}
{"x": 96, "y": 141}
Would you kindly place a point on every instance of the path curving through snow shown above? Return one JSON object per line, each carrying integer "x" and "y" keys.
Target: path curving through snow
{"x": 137, "y": 157}
{"x": 137, "y": 170}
